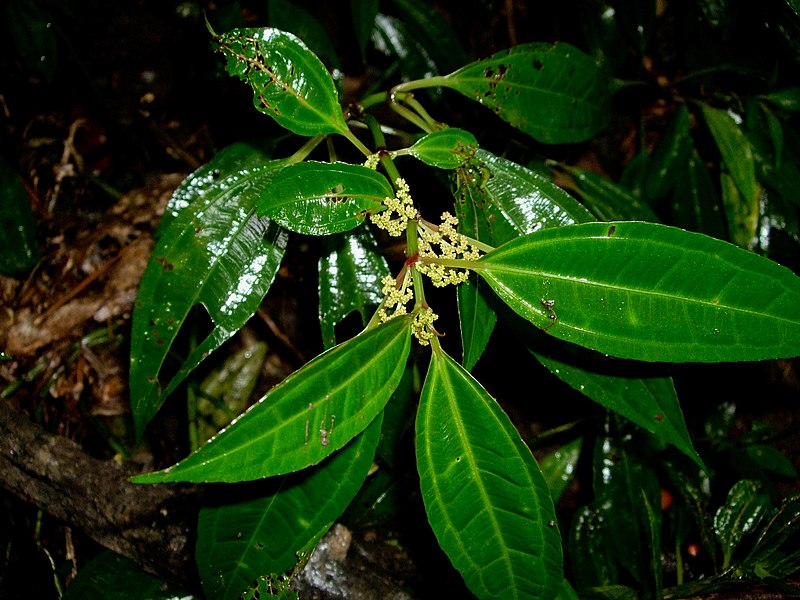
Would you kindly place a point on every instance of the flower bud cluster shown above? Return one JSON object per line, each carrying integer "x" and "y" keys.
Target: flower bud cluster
{"x": 395, "y": 298}
{"x": 422, "y": 327}
{"x": 444, "y": 242}
{"x": 401, "y": 205}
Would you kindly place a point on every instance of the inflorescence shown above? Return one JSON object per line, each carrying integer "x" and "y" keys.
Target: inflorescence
{"x": 434, "y": 242}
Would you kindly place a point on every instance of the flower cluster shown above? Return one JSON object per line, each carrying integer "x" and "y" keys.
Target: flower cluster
{"x": 422, "y": 327}
{"x": 401, "y": 205}
{"x": 444, "y": 242}
{"x": 395, "y": 297}
{"x": 372, "y": 161}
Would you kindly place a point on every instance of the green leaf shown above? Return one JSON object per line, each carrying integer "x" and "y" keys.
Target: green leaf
{"x": 476, "y": 319}
{"x": 485, "y": 497}
{"x": 742, "y": 213}
{"x": 649, "y": 400}
{"x": 613, "y": 534}
{"x": 19, "y": 251}
{"x": 741, "y": 514}
{"x": 558, "y": 467}
{"x": 609, "y": 201}
{"x": 364, "y": 13}
{"x": 431, "y": 32}
{"x": 553, "y": 92}
{"x": 735, "y": 149}
{"x": 787, "y": 99}
{"x": 500, "y": 200}
{"x": 293, "y": 18}
{"x": 350, "y": 271}
{"x": 214, "y": 251}
{"x": 317, "y": 198}
{"x": 447, "y": 149}
{"x": 290, "y": 84}
{"x": 392, "y": 38}
{"x": 110, "y": 571}
{"x": 312, "y": 413}
{"x": 776, "y": 547}
{"x": 237, "y": 542}
{"x": 670, "y": 153}
{"x": 649, "y": 292}
{"x": 695, "y": 201}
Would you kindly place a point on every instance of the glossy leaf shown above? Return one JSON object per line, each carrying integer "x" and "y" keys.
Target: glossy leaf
{"x": 447, "y": 149}
{"x": 350, "y": 271}
{"x": 553, "y": 92}
{"x": 240, "y": 541}
{"x": 431, "y": 31}
{"x": 476, "y": 318}
{"x": 741, "y": 514}
{"x": 485, "y": 497}
{"x": 498, "y": 200}
{"x": 734, "y": 148}
{"x": 649, "y": 292}
{"x": 501, "y": 200}
{"x": 392, "y": 38}
{"x": 607, "y": 200}
{"x": 317, "y": 198}
{"x": 776, "y": 552}
{"x": 742, "y": 213}
{"x": 613, "y": 534}
{"x": 215, "y": 252}
{"x": 19, "y": 250}
{"x": 290, "y": 84}
{"x": 313, "y": 412}
{"x": 558, "y": 467}
{"x": 650, "y": 400}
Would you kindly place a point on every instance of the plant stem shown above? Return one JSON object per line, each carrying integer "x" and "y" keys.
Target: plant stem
{"x": 305, "y": 149}
{"x": 418, "y": 84}
{"x": 411, "y": 117}
{"x": 357, "y": 142}
{"x": 415, "y": 104}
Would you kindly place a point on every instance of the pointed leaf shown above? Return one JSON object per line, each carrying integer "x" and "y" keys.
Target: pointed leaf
{"x": 649, "y": 401}
{"x": 238, "y": 542}
{"x": 317, "y": 198}
{"x": 735, "y": 150}
{"x": 741, "y": 514}
{"x": 290, "y": 84}
{"x": 558, "y": 467}
{"x": 669, "y": 155}
{"x": 476, "y": 319}
{"x": 486, "y": 499}
{"x": 350, "y": 273}
{"x": 649, "y": 292}
{"x": 313, "y": 412}
{"x": 215, "y": 252}
{"x": 553, "y": 92}
{"x": 695, "y": 201}
{"x": 607, "y": 200}
{"x": 501, "y": 200}
{"x": 447, "y": 149}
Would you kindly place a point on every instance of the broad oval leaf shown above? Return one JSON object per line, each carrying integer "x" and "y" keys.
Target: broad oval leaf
{"x": 484, "y": 494}
{"x": 214, "y": 251}
{"x": 318, "y": 198}
{"x": 649, "y": 292}
{"x": 350, "y": 271}
{"x": 312, "y": 413}
{"x": 554, "y": 92}
{"x": 447, "y": 149}
{"x": 240, "y": 541}
{"x": 559, "y": 466}
{"x": 290, "y": 84}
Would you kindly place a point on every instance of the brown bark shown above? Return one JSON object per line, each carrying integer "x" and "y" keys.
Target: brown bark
{"x": 150, "y": 524}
